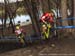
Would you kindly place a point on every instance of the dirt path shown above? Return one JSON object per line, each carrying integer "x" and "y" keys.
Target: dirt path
{"x": 64, "y": 47}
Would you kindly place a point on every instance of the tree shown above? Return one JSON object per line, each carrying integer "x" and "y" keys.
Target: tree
{"x": 45, "y": 5}
{"x": 70, "y": 8}
{"x": 74, "y": 11}
{"x": 31, "y": 7}
{"x": 10, "y": 12}
{"x": 64, "y": 11}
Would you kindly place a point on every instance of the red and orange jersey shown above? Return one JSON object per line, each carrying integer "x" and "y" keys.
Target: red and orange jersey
{"x": 47, "y": 16}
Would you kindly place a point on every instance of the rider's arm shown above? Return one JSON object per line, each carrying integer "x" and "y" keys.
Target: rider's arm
{"x": 16, "y": 33}
{"x": 51, "y": 19}
{"x": 43, "y": 19}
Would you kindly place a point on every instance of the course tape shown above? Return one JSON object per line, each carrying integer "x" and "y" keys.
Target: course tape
{"x": 62, "y": 27}
{"x": 60, "y": 20}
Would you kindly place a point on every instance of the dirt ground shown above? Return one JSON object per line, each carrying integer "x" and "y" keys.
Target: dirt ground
{"x": 62, "y": 47}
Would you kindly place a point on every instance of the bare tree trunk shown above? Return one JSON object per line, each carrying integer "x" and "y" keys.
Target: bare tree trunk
{"x": 74, "y": 11}
{"x": 32, "y": 11}
{"x": 45, "y": 5}
{"x": 64, "y": 14}
{"x": 73, "y": 14}
{"x": 64, "y": 11}
{"x": 5, "y": 18}
{"x": 70, "y": 7}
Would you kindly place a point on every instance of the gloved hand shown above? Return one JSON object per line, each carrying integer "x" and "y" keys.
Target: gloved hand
{"x": 48, "y": 25}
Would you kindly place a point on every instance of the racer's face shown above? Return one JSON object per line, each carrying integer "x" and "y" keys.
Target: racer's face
{"x": 17, "y": 27}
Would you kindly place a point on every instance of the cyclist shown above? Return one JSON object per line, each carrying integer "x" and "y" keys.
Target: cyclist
{"x": 47, "y": 23}
{"x": 19, "y": 34}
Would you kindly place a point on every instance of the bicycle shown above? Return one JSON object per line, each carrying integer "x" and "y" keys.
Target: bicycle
{"x": 21, "y": 39}
{"x": 45, "y": 30}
